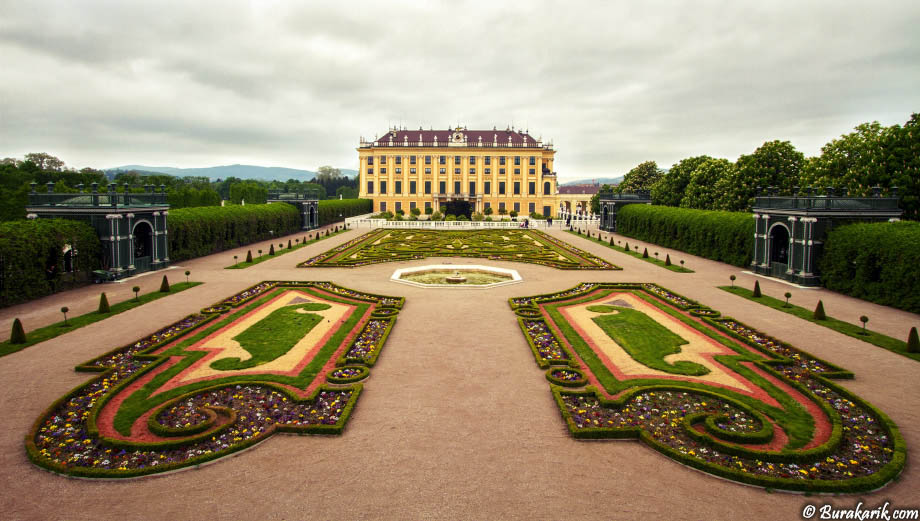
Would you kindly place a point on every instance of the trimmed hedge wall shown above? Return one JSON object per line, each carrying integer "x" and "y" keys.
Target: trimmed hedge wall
{"x": 29, "y": 248}
{"x": 876, "y": 262}
{"x": 330, "y": 209}
{"x": 720, "y": 236}
{"x": 194, "y": 232}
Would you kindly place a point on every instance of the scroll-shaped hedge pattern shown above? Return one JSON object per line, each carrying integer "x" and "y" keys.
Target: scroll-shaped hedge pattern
{"x": 183, "y": 396}
{"x": 385, "y": 245}
{"x": 753, "y": 409}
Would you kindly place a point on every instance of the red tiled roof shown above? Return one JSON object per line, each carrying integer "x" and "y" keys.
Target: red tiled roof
{"x": 579, "y": 189}
{"x": 444, "y": 136}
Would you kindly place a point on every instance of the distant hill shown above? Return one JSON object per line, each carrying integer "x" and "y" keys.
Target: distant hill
{"x": 265, "y": 173}
{"x": 599, "y": 180}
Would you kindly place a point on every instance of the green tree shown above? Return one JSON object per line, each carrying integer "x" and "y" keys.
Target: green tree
{"x": 775, "y": 163}
{"x": 328, "y": 173}
{"x": 669, "y": 190}
{"x": 45, "y": 161}
{"x": 346, "y": 192}
{"x": 642, "y": 177}
{"x": 700, "y": 192}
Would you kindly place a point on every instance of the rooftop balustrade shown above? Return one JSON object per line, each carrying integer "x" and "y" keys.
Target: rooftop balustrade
{"x": 151, "y": 196}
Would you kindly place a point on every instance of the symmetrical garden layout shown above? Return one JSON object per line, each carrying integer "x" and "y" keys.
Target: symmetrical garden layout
{"x": 280, "y": 356}
{"x": 705, "y": 390}
{"x": 530, "y": 246}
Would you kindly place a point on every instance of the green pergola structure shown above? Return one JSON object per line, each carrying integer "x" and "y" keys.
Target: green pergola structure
{"x": 789, "y": 231}
{"x": 131, "y": 226}
{"x": 611, "y": 202}
{"x": 307, "y": 203}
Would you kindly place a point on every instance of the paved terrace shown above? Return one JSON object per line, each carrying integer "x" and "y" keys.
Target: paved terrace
{"x": 457, "y": 421}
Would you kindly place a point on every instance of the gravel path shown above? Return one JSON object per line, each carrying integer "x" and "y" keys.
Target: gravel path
{"x": 456, "y": 421}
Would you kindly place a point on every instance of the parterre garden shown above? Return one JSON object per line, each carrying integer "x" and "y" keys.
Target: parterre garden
{"x": 385, "y": 245}
{"x": 277, "y": 357}
{"x": 638, "y": 361}
{"x": 624, "y": 360}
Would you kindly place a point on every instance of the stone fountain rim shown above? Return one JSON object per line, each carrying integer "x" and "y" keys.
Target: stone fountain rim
{"x": 515, "y": 276}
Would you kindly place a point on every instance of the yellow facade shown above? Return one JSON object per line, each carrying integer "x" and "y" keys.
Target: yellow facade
{"x": 501, "y": 169}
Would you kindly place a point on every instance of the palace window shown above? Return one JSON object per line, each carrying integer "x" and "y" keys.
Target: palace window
{"x": 399, "y": 205}
{"x": 472, "y": 187}
{"x": 517, "y": 160}
{"x": 501, "y": 207}
{"x": 456, "y": 187}
{"x": 488, "y": 171}
{"x": 533, "y": 171}
{"x": 398, "y": 160}
{"x": 427, "y": 160}
{"x": 370, "y": 160}
{"x": 383, "y": 170}
{"x": 442, "y": 187}
{"x": 443, "y": 171}
{"x": 532, "y": 207}
{"x": 383, "y": 206}
{"x": 517, "y": 207}
{"x": 501, "y": 171}
{"x": 370, "y": 171}
{"x": 411, "y": 160}
{"x": 456, "y": 171}
{"x": 412, "y": 170}
{"x": 383, "y": 187}
{"x": 398, "y": 170}
{"x": 398, "y": 187}
{"x": 517, "y": 171}
{"x": 412, "y": 186}
{"x": 533, "y": 160}
{"x": 370, "y": 187}
{"x": 427, "y": 187}
{"x": 412, "y": 205}
{"x": 517, "y": 188}
{"x": 456, "y": 160}
{"x": 501, "y": 160}
{"x": 472, "y": 160}
{"x": 546, "y": 188}
{"x": 472, "y": 171}
{"x": 501, "y": 188}
{"x": 487, "y": 188}
{"x": 383, "y": 160}
{"x": 442, "y": 160}
{"x": 531, "y": 188}
{"x": 488, "y": 160}
{"x": 427, "y": 170}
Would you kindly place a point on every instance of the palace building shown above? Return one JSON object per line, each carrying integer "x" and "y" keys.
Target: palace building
{"x": 498, "y": 169}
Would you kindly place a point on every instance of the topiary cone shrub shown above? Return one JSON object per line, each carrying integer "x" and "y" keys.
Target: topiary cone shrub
{"x": 271, "y": 251}
{"x": 645, "y": 253}
{"x": 627, "y": 246}
{"x": 103, "y": 304}
{"x": 249, "y": 256}
{"x": 289, "y": 243}
{"x": 667, "y": 260}
{"x": 757, "y": 293}
{"x": 913, "y": 341}
{"x": 611, "y": 240}
{"x": 327, "y": 232}
{"x": 819, "y": 311}
{"x": 18, "y": 334}
{"x": 164, "y": 285}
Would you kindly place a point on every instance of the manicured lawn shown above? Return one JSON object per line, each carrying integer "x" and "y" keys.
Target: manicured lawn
{"x": 647, "y": 341}
{"x": 48, "y": 332}
{"x": 661, "y": 263}
{"x": 256, "y": 259}
{"x": 872, "y": 337}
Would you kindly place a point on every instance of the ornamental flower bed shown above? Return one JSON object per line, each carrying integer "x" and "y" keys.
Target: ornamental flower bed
{"x": 529, "y": 246}
{"x": 192, "y": 423}
{"x": 824, "y": 440}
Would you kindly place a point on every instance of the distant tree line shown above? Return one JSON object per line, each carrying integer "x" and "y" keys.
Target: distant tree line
{"x": 16, "y": 175}
{"x": 872, "y": 155}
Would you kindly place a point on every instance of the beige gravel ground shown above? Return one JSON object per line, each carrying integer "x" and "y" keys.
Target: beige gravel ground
{"x": 456, "y": 421}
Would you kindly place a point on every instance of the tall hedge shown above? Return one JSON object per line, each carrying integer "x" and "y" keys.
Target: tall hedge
{"x": 722, "y": 236}
{"x": 874, "y": 261}
{"x": 330, "y": 209}
{"x": 194, "y": 232}
{"x": 32, "y": 256}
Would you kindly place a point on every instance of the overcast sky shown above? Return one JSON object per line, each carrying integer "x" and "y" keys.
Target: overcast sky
{"x": 612, "y": 84}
